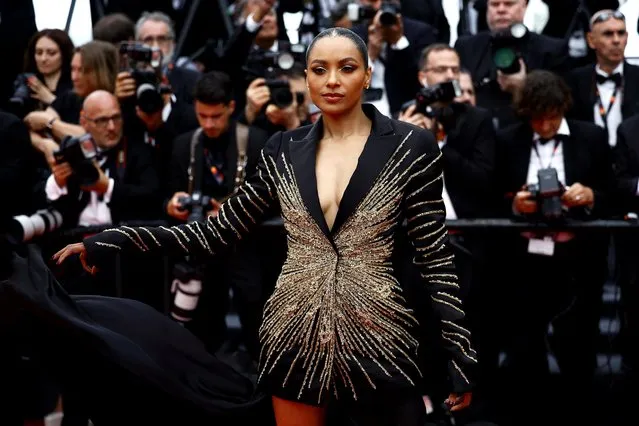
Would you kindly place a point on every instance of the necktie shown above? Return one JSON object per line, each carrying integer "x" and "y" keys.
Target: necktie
{"x": 615, "y": 78}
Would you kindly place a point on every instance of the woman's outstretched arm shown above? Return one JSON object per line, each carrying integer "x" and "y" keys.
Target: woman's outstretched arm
{"x": 255, "y": 200}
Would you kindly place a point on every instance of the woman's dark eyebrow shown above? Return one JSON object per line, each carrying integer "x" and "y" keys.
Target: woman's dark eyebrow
{"x": 342, "y": 61}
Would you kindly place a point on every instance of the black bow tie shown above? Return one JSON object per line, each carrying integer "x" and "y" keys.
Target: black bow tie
{"x": 558, "y": 138}
{"x": 615, "y": 78}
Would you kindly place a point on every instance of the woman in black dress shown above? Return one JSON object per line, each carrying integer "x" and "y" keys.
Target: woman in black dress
{"x": 336, "y": 326}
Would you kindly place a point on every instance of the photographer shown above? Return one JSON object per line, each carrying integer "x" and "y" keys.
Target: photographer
{"x": 119, "y": 185}
{"x": 207, "y": 166}
{"x": 394, "y": 44}
{"x": 500, "y": 59}
{"x": 556, "y": 169}
{"x": 280, "y": 103}
{"x": 467, "y": 140}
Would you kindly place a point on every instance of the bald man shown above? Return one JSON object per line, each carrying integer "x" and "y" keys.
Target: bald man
{"x": 127, "y": 185}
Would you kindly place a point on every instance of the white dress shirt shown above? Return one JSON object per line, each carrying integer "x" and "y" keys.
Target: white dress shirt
{"x": 450, "y": 210}
{"x": 614, "y": 117}
{"x": 452, "y": 11}
{"x": 546, "y": 158}
{"x": 96, "y": 212}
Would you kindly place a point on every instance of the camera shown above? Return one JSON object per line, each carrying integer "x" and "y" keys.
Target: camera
{"x": 281, "y": 95}
{"x": 548, "y": 194}
{"x": 80, "y": 153}
{"x": 267, "y": 64}
{"x": 197, "y": 205}
{"x": 24, "y": 228}
{"x": 506, "y": 48}
{"x": 443, "y": 93}
{"x": 187, "y": 287}
{"x": 21, "y": 102}
{"x": 143, "y": 63}
{"x": 388, "y": 9}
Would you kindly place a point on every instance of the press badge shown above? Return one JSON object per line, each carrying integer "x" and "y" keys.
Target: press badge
{"x": 544, "y": 247}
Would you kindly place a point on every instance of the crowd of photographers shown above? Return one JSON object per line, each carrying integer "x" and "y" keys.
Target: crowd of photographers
{"x": 122, "y": 131}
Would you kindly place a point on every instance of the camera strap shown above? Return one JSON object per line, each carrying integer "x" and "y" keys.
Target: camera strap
{"x": 554, "y": 151}
{"x": 195, "y": 167}
{"x": 603, "y": 113}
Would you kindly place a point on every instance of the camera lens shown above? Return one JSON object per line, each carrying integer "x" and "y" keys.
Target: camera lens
{"x": 388, "y": 18}
{"x": 282, "y": 97}
{"x": 518, "y": 30}
{"x": 285, "y": 61}
{"x": 505, "y": 58}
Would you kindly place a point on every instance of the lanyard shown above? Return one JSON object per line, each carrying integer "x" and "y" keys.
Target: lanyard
{"x": 602, "y": 111}
{"x": 554, "y": 150}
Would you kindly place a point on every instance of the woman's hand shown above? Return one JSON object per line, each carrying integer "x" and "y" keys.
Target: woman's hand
{"x": 40, "y": 91}
{"x": 458, "y": 402}
{"x": 71, "y": 249}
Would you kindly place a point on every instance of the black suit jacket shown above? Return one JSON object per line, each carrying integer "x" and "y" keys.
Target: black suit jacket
{"x": 626, "y": 160}
{"x": 582, "y": 84}
{"x": 400, "y": 77}
{"x": 178, "y": 172}
{"x": 539, "y": 52}
{"x": 135, "y": 193}
{"x": 469, "y": 162}
{"x": 587, "y": 160}
{"x": 397, "y": 178}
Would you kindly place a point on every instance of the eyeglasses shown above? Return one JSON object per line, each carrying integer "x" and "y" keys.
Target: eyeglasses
{"x": 160, "y": 40}
{"x": 103, "y": 122}
{"x": 604, "y": 16}
{"x": 442, "y": 69}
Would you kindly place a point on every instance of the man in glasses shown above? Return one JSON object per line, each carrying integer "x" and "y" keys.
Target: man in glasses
{"x": 127, "y": 185}
{"x": 606, "y": 92}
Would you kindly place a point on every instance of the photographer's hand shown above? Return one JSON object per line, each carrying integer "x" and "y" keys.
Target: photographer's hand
{"x": 257, "y": 95}
{"x": 523, "y": 204}
{"x": 125, "y": 86}
{"x": 512, "y": 83}
{"x": 262, "y": 8}
{"x": 375, "y": 38}
{"x": 40, "y": 91}
{"x": 577, "y": 195}
{"x": 37, "y": 121}
{"x": 61, "y": 173}
{"x": 409, "y": 116}
{"x": 215, "y": 208}
{"x": 173, "y": 207}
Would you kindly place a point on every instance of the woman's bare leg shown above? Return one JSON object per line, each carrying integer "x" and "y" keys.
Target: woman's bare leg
{"x": 291, "y": 413}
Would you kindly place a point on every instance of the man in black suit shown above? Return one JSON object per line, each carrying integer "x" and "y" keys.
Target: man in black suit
{"x": 225, "y": 152}
{"x": 556, "y": 277}
{"x": 495, "y": 89}
{"x": 607, "y": 92}
{"x": 430, "y": 12}
{"x": 466, "y": 137}
{"x": 393, "y": 51}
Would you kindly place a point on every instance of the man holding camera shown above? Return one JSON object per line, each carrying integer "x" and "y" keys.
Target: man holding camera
{"x": 126, "y": 185}
{"x": 500, "y": 58}
{"x": 467, "y": 140}
{"x": 552, "y": 169}
{"x": 394, "y": 44}
{"x": 208, "y": 165}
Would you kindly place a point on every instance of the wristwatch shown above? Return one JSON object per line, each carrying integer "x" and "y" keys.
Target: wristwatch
{"x": 50, "y": 123}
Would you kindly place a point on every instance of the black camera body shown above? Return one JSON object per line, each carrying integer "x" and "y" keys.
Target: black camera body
{"x": 281, "y": 95}
{"x": 197, "y": 205}
{"x": 80, "y": 153}
{"x": 21, "y": 103}
{"x": 548, "y": 194}
{"x": 143, "y": 63}
{"x": 443, "y": 93}
{"x": 506, "y": 48}
{"x": 388, "y": 9}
